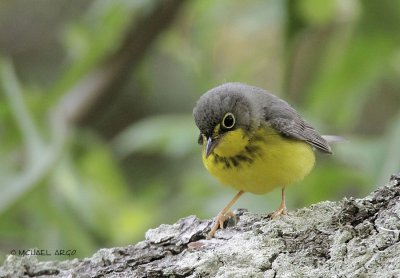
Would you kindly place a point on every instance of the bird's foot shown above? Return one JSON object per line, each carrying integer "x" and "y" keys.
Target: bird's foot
{"x": 219, "y": 222}
{"x": 280, "y": 211}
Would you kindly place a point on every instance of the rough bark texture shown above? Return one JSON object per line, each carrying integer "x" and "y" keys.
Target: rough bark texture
{"x": 351, "y": 238}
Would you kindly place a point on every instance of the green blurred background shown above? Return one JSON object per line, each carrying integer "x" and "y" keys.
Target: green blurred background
{"x": 92, "y": 157}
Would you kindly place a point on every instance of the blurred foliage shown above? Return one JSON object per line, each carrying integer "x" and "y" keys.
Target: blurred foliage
{"x": 336, "y": 61}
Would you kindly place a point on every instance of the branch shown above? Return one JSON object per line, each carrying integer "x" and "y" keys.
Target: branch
{"x": 101, "y": 85}
{"x": 41, "y": 158}
{"x": 14, "y": 96}
{"x": 351, "y": 238}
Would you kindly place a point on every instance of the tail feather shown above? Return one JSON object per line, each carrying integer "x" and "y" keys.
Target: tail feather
{"x": 334, "y": 139}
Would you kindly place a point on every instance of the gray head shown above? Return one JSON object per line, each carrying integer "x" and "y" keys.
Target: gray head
{"x": 227, "y": 106}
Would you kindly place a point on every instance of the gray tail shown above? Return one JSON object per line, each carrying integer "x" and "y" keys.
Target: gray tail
{"x": 334, "y": 139}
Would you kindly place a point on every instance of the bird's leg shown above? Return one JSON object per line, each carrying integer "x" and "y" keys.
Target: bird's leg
{"x": 224, "y": 214}
{"x": 282, "y": 208}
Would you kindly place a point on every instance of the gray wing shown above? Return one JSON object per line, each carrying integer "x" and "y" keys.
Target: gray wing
{"x": 283, "y": 118}
{"x": 299, "y": 129}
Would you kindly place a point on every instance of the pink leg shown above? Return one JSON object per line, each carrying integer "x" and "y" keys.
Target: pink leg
{"x": 223, "y": 215}
{"x": 282, "y": 208}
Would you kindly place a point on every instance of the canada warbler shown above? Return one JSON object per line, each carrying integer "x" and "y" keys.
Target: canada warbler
{"x": 254, "y": 142}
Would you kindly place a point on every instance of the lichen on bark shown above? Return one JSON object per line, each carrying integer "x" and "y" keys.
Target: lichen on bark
{"x": 351, "y": 238}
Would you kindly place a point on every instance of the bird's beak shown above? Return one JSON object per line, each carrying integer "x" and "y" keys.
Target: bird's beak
{"x": 211, "y": 144}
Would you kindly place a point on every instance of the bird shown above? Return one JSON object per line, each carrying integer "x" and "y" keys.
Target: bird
{"x": 254, "y": 142}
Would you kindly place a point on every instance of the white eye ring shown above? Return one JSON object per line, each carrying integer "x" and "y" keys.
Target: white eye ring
{"x": 228, "y": 121}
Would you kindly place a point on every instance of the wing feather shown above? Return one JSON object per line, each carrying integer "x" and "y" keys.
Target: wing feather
{"x": 284, "y": 118}
{"x": 299, "y": 129}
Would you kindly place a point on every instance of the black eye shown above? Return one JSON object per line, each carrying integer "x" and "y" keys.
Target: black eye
{"x": 229, "y": 121}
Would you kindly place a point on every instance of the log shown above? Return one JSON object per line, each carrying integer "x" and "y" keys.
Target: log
{"x": 350, "y": 238}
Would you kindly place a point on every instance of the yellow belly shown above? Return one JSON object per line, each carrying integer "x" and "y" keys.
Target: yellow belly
{"x": 258, "y": 166}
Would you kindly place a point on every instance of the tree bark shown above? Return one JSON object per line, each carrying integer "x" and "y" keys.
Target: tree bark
{"x": 351, "y": 238}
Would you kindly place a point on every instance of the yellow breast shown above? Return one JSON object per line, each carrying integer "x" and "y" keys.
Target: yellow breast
{"x": 260, "y": 163}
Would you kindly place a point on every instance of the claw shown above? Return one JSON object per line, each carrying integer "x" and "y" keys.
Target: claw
{"x": 223, "y": 215}
{"x": 219, "y": 222}
{"x": 279, "y": 212}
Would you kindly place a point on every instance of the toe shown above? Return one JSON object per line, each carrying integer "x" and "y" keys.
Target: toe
{"x": 279, "y": 212}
